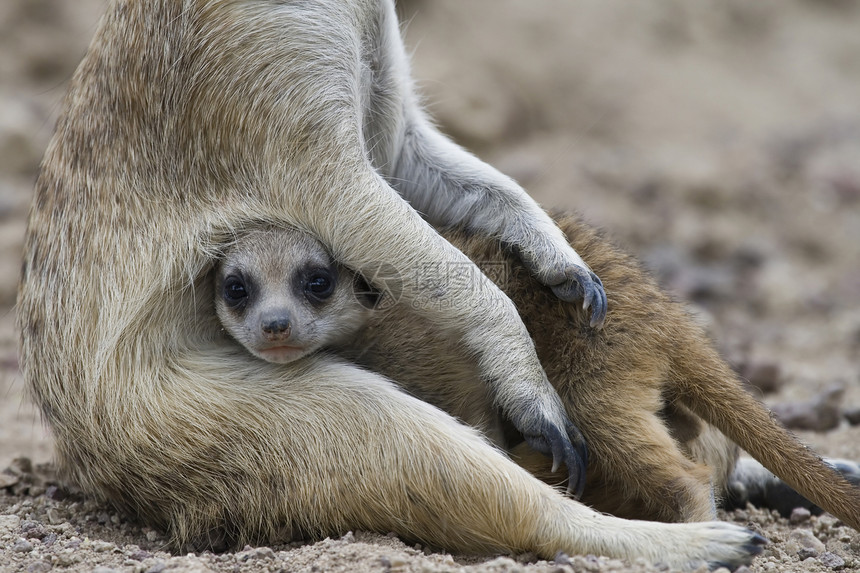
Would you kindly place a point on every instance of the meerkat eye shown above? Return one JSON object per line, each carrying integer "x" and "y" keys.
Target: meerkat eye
{"x": 234, "y": 291}
{"x": 320, "y": 285}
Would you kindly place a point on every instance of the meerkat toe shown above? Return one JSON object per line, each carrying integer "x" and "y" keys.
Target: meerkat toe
{"x": 600, "y": 305}
{"x": 582, "y": 284}
{"x": 565, "y": 447}
{"x": 732, "y": 546}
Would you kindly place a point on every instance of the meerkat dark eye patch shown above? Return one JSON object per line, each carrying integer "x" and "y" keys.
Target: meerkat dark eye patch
{"x": 234, "y": 291}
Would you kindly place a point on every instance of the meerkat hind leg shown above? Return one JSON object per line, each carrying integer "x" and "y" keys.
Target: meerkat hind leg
{"x": 451, "y": 187}
{"x": 642, "y": 468}
{"x": 370, "y": 456}
{"x": 751, "y": 482}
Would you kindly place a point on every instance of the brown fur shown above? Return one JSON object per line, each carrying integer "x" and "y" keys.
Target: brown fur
{"x": 649, "y": 392}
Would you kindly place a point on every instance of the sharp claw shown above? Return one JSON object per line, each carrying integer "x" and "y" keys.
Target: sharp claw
{"x": 565, "y": 446}
{"x": 598, "y": 314}
{"x": 576, "y": 492}
{"x": 576, "y": 484}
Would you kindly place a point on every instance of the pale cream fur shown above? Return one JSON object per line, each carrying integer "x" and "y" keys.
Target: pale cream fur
{"x": 187, "y": 122}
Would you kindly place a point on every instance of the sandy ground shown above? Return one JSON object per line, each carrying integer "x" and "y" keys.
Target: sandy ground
{"x": 717, "y": 141}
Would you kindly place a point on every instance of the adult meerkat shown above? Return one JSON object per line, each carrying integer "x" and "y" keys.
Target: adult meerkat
{"x": 639, "y": 389}
{"x": 185, "y": 121}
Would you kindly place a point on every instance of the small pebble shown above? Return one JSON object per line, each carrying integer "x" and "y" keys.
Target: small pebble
{"x": 799, "y": 515}
{"x": 103, "y": 546}
{"x": 56, "y": 493}
{"x": 9, "y": 523}
{"x": 157, "y": 567}
{"x": 803, "y": 539}
{"x": 7, "y": 480}
{"x": 37, "y": 532}
{"x": 562, "y": 558}
{"x": 831, "y": 560}
{"x": 853, "y": 416}
{"x": 820, "y": 414}
{"x": 68, "y": 558}
{"x": 139, "y": 555}
{"x": 805, "y": 553}
{"x": 264, "y": 553}
{"x": 39, "y": 567}
{"x": 20, "y": 466}
{"x": 766, "y": 376}
{"x": 21, "y": 545}
{"x": 526, "y": 558}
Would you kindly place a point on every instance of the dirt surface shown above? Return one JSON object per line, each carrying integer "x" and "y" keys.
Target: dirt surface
{"x": 720, "y": 142}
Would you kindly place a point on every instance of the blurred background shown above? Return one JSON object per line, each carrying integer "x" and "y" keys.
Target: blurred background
{"x": 719, "y": 142}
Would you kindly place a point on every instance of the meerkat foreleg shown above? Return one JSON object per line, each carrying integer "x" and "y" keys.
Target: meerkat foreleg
{"x": 451, "y": 187}
{"x": 448, "y": 185}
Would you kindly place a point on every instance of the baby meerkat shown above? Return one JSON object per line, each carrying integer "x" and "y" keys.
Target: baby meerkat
{"x": 281, "y": 295}
{"x": 284, "y": 299}
{"x": 653, "y": 398}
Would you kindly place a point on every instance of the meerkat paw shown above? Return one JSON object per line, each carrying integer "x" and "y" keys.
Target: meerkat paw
{"x": 721, "y": 544}
{"x": 565, "y": 444}
{"x": 569, "y": 278}
{"x": 684, "y": 546}
{"x": 578, "y": 283}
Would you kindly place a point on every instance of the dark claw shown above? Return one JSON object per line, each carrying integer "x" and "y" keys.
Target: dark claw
{"x": 756, "y": 544}
{"x": 598, "y": 310}
{"x": 584, "y": 284}
{"x": 753, "y": 548}
{"x": 571, "y": 450}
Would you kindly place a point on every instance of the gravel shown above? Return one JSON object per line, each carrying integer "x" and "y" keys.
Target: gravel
{"x": 719, "y": 143}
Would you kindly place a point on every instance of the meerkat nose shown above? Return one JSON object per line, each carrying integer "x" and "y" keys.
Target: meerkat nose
{"x": 277, "y": 326}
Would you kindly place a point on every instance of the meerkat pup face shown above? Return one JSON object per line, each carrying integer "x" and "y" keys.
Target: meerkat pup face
{"x": 280, "y": 294}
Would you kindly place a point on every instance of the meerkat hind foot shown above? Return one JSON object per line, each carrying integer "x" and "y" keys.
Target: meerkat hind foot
{"x": 751, "y": 482}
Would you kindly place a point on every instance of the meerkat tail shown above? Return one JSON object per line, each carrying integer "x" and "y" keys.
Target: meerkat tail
{"x": 709, "y": 388}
